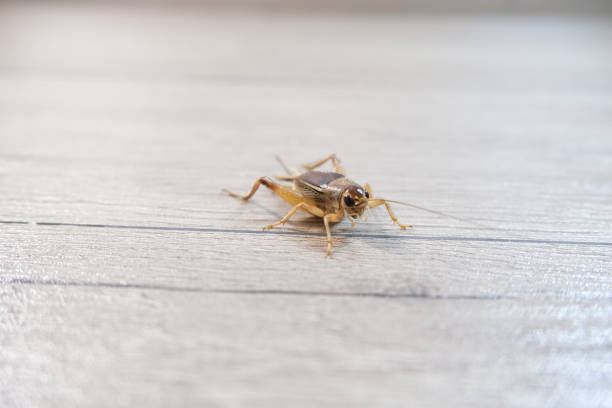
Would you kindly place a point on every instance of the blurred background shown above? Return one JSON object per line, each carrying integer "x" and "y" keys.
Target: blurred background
{"x": 128, "y": 278}
{"x": 498, "y": 91}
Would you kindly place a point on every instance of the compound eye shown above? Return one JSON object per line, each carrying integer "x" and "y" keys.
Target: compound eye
{"x": 348, "y": 200}
{"x": 367, "y": 194}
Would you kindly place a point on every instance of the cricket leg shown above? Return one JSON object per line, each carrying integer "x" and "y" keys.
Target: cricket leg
{"x": 379, "y": 201}
{"x": 335, "y": 161}
{"x": 329, "y": 238}
{"x": 286, "y": 193}
{"x": 369, "y": 194}
{"x": 262, "y": 180}
{"x": 309, "y": 208}
{"x": 286, "y": 217}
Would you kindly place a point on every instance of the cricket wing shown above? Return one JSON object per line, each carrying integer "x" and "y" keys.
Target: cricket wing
{"x": 314, "y": 185}
{"x": 318, "y": 180}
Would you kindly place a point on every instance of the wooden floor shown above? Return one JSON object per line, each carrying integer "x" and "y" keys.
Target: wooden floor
{"x": 129, "y": 279}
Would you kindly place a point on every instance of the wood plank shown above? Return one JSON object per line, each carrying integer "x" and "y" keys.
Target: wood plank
{"x": 127, "y": 277}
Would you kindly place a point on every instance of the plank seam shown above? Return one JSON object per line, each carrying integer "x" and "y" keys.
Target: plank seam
{"x": 318, "y": 234}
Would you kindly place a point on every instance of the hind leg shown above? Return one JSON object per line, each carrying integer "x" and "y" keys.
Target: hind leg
{"x": 335, "y": 162}
{"x": 285, "y": 193}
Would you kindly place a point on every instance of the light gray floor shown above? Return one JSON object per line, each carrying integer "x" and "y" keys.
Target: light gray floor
{"x": 128, "y": 279}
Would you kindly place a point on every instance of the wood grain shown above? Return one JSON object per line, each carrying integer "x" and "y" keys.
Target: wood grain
{"x": 129, "y": 279}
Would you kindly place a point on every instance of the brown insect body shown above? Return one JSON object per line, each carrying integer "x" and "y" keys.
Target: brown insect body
{"x": 327, "y": 189}
{"x": 328, "y": 195}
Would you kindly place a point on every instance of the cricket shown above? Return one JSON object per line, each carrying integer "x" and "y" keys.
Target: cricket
{"x": 327, "y": 195}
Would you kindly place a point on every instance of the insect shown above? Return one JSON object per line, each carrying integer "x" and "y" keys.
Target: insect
{"x": 328, "y": 195}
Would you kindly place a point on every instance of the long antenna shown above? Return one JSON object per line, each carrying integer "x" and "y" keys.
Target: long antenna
{"x": 438, "y": 213}
{"x": 284, "y": 166}
{"x": 290, "y": 171}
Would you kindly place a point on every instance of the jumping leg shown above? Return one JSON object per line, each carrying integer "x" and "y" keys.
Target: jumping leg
{"x": 286, "y": 193}
{"x": 335, "y": 162}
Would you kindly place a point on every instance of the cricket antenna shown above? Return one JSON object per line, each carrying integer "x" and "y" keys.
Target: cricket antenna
{"x": 438, "y": 213}
{"x": 285, "y": 167}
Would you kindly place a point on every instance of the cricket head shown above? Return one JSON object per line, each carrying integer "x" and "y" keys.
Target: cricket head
{"x": 355, "y": 201}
